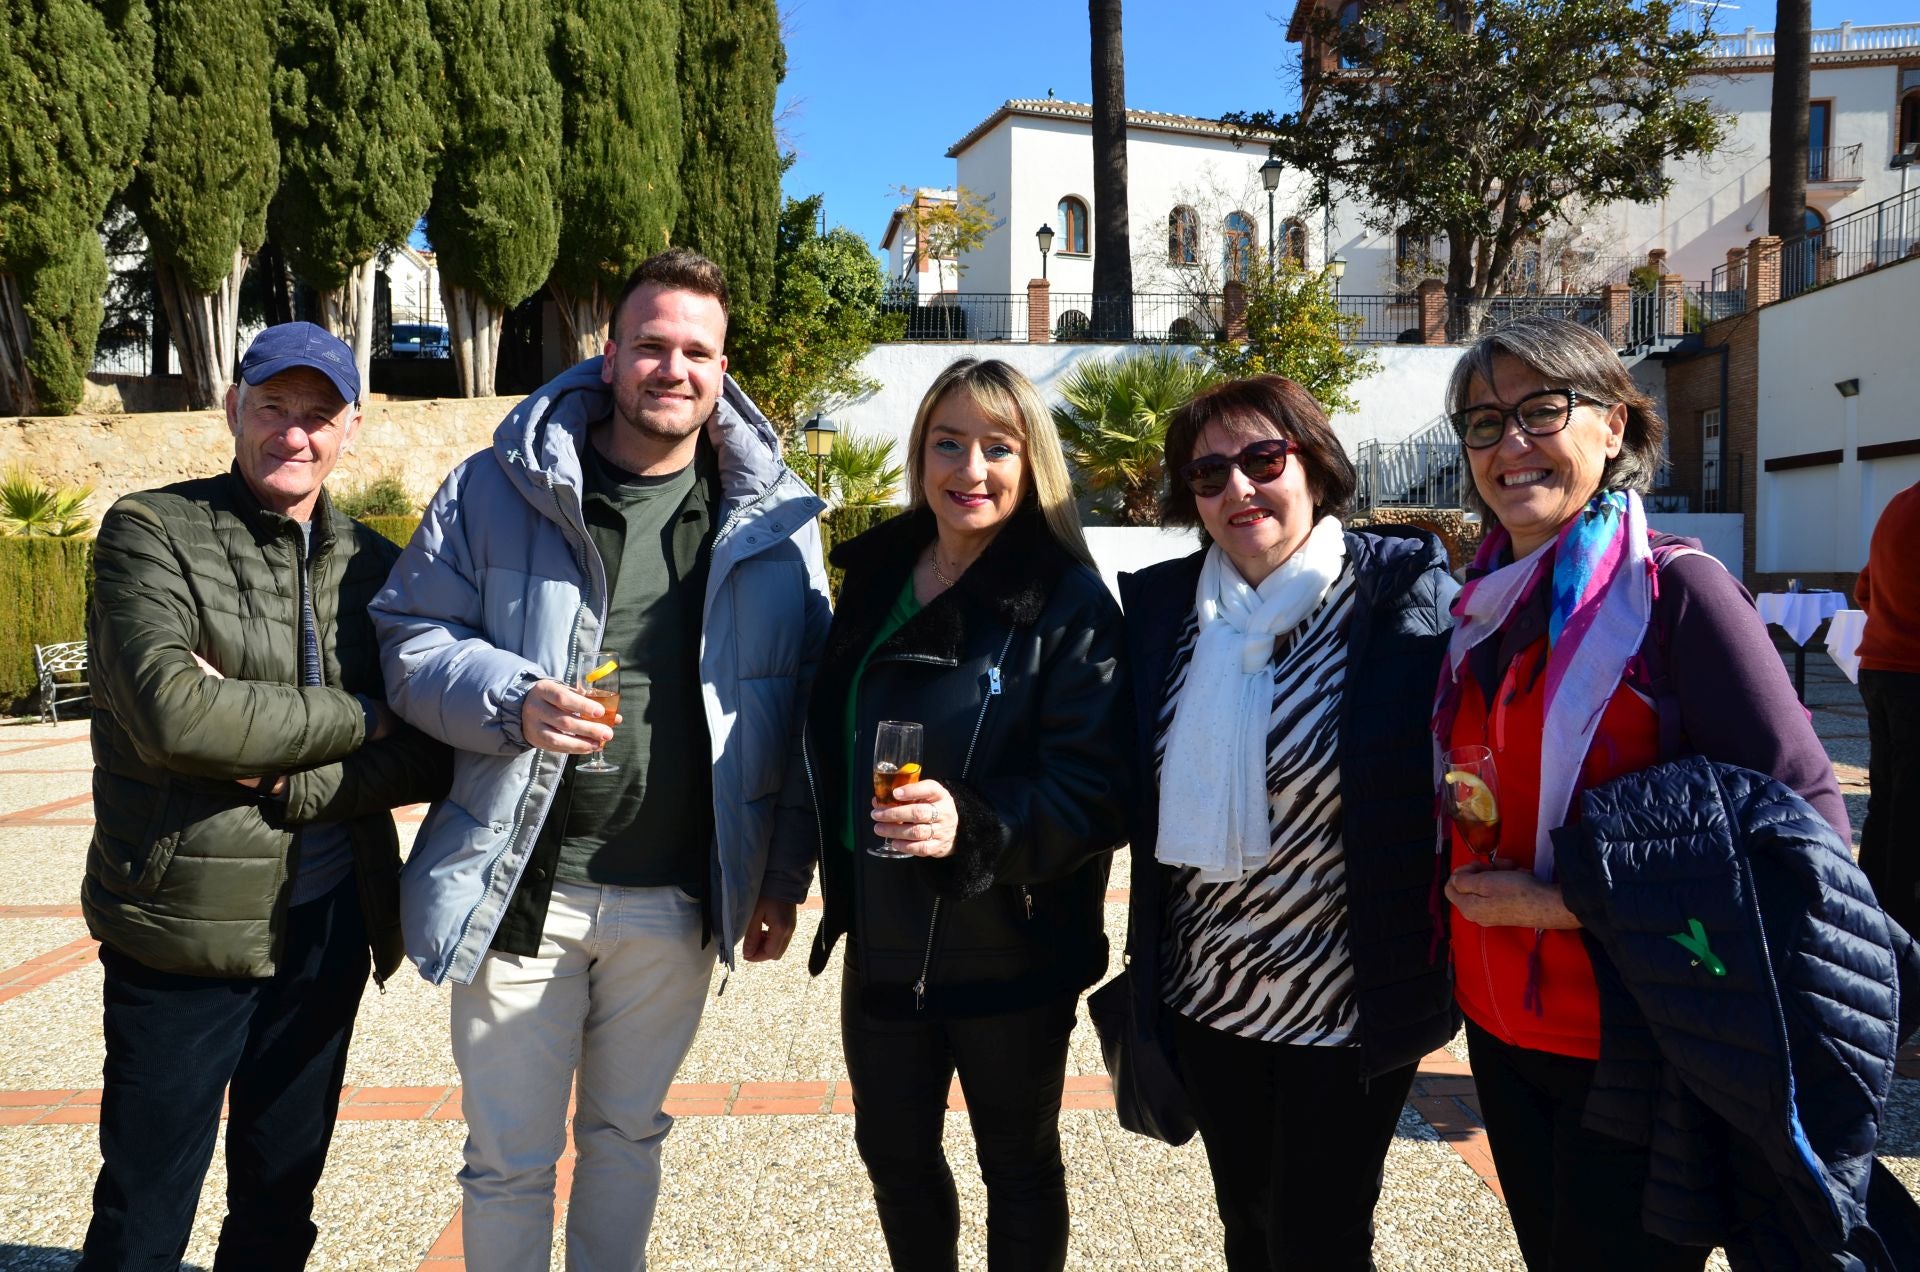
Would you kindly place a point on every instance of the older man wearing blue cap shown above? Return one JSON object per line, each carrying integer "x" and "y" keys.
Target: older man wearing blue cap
{"x": 244, "y": 870}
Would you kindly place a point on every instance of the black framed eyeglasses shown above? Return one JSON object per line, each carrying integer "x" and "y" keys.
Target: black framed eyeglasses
{"x": 1538, "y": 415}
{"x": 1261, "y": 461}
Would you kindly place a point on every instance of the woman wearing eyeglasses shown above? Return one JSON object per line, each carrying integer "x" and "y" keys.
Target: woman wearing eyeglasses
{"x": 1285, "y": 943}
{"x": 1585, "y": 648}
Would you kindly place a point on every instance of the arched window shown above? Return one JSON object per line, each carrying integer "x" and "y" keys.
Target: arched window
{"x": 1349, "y": 19}
{"x": 1293, "y": 241}
{"x": 1910, "y": 118}
{"x": 1183, "y": 237}
{"x": 1238, "y": 257}
{"x": 1073, "y": 226}
{"x": 1416, "y": 256}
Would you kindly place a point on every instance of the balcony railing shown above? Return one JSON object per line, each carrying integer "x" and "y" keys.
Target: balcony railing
{"x": 1867, "y": 239}
{"x": 1835, "y": 163}
{"x": 1422, "y": 471}
{"x": 1845, "y": 38}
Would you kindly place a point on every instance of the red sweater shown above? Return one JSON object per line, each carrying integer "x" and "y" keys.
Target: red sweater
{"x": 1891, "y": 599}
{"x": 1736, "y": 705}
{"x": 1491, "y": 963}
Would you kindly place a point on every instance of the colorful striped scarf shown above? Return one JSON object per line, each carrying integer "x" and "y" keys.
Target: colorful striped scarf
{"x": 1602, "y": 580}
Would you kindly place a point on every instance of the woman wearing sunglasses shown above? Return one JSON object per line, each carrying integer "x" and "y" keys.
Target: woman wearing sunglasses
{"x": 1285, "y": 946}
{"x": 1586, "y": 648}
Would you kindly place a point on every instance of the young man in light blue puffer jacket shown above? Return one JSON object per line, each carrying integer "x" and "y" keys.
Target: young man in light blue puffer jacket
{"x": 637, "y": 504}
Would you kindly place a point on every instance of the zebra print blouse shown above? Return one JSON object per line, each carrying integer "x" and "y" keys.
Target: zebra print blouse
{"x": 1265, "y": 957}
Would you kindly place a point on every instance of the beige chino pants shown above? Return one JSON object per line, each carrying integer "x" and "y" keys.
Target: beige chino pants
{"x": 615, "y": 996}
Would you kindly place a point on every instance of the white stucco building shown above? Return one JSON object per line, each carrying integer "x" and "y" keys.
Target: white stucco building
{"x": 1864, "y": 85}
{"x": 1196, "y": 203}
{"x": 909, "y": 269}
{"x": 1032, "y": 161}
{"x": 1864, "y": 106}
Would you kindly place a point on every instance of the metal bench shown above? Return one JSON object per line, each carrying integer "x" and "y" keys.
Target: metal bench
{"x": 64, "y": 659}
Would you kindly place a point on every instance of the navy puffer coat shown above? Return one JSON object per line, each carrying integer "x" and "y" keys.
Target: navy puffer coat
{"x": 1753, "y": 1000}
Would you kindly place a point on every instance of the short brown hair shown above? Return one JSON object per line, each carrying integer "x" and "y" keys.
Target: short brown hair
{"x": 1569, "y": 356}
{"x": 679, "y": 269}
{"x": 1260, "y": 406}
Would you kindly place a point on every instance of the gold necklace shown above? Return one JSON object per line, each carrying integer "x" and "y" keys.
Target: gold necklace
{"x": 933, "y": 563}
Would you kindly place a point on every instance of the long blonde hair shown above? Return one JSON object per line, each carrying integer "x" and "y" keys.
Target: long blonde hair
{"x": 1009, "y": 399}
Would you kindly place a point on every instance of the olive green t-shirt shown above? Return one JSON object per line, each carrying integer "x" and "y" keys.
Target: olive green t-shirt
{"x": 650, "y": 824}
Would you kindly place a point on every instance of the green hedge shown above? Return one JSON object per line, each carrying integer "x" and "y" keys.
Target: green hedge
{"x": 841, "y": 524}
{"x": 398, "y": 529}
{"x": 44, "y": 584}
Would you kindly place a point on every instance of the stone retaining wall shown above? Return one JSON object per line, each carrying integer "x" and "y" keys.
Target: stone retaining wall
{"x": 1461, "y": 536}
{"x": 418, "y": 441}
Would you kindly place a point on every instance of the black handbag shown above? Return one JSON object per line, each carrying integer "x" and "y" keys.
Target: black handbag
{"x": 1147, "y": 1093}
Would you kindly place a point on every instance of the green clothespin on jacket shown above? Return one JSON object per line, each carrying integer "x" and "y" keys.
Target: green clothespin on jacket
{"x": 1694, "y": 941}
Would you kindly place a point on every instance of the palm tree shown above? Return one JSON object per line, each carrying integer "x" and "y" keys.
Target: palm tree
{"x": 1788, "y": 129}
{"x": 860, "y": 471}
{"x": 1114, "y": 423}
{"x": 1112, "y": 241}
{"x": 28, "y": 506}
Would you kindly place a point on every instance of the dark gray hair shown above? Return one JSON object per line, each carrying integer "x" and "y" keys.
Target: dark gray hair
{"x": 1566, "y": 355}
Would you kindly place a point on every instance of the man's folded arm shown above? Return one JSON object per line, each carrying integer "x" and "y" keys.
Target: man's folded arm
{"x": 407, "y": 768}
{"x": 143, "y": 640}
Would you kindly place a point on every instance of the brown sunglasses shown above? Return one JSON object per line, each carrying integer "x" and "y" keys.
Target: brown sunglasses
{"x": 1261, "y": 461}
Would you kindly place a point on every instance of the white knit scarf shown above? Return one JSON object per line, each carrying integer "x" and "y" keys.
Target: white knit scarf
{"x": 1213, "y": 777}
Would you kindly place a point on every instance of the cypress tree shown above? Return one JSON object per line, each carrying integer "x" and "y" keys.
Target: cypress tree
{"x": 619, "y": 156}
{"x": 73, "y": 110}
{"x": 356, "y": 92}
{"x": 201, "y": 190}
{"x": 731, "y": 65}
{"x": 495, "y": 217}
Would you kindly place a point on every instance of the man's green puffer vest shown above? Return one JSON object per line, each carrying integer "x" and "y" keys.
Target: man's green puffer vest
{"x": 189, "y": 871}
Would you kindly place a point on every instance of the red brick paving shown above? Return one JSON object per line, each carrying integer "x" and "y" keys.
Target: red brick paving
{"x": 79, "y": 740}
{"x": 37, "y": 971}
{"x": 39, "y": 812}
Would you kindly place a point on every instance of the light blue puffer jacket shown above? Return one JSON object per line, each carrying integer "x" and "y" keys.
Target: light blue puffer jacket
{"x": 501, "y": 587}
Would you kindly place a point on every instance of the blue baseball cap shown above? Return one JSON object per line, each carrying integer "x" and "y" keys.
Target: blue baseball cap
{"x": 301, "y": 344}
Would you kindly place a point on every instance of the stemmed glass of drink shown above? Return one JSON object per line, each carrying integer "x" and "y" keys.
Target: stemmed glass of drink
{"x": 1472, "y": 796}
{"x": 600, "y": 680}
{"x": 896, "y": 762}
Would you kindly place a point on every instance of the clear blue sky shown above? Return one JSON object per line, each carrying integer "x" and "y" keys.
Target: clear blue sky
{"x": 876, "y": 92}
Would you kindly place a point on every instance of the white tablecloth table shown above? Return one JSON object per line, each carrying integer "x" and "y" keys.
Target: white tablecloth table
{"x": 1799, "y": 613}
{"x": 1843, "y": 641}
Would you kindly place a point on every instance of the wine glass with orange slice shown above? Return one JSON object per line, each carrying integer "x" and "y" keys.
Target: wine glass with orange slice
{"x": 600, "y": 680}
{"x": 896, "y": 762}
{"x": 1473, "y": 799}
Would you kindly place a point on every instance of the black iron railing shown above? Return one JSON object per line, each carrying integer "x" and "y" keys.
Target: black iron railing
{"x": 1146, "y": 318}
{"x": 959, "y": 316}
{"x": 130, "y": 357}
{"x": 1390, "y": 319}
{"x": 1425, "y": 470}
{"x": 1874, "y": 236}
{"x": 1834, "y": 163}
{"x": 1469, "y": 319}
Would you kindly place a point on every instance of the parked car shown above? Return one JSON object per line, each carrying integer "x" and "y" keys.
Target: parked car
{"x": 421, "y": 340}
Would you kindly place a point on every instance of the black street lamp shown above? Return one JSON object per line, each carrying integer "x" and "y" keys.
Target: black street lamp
{"x": 1044, "y": 237}
{"x": 1270, "y": 178}
{"x": 820, "y": 434}
{"x": 1337, "y": 269}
